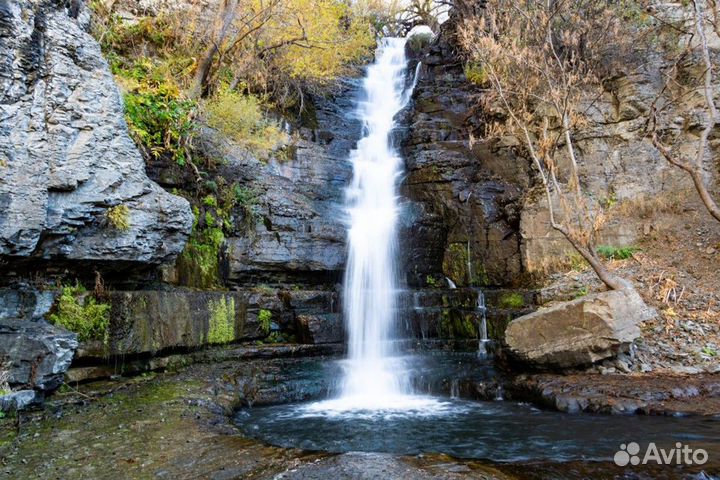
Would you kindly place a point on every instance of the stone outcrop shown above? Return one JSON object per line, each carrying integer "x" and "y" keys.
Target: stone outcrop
{"x": 319, "y": 329}
{"x": 462, "y": 220}
{"x": 66, "y": 157}
{"x": 578, "y": 333}
{"x": 153, "y": 321}
{"x": 297, "y": 234}
{"x": 476, "y": 213}
{"x": 36, "y": 354}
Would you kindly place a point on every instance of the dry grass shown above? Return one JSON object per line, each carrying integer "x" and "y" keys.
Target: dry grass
{"x": 645, "y": 206}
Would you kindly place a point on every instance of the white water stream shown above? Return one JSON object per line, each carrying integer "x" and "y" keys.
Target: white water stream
{"x": 374, "y": 373}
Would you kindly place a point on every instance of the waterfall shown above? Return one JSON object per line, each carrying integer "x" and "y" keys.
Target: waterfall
{"x": 482, "y": 331}
{"x": 370, "y": 285}
{"x": 376, "y": 377}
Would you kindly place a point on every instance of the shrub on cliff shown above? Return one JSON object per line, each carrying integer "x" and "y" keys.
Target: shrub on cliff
{"x": 241, "y": 118}
{"x": 80, "y": 312}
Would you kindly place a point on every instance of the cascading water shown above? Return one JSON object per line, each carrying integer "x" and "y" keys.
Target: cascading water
{"x": 370, "y": 279}
{"x": 374, "y": 377}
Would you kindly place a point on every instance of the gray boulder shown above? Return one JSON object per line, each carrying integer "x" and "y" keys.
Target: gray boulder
{"x": 579, "y": 332}
{"x": 37, "y": 354}
{"x": 66, "y": 156}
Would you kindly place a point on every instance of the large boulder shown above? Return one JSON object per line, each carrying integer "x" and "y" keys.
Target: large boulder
{"x": 579, "y": 332}
{"x": 66, "y": 157}
{"x": 36, "y": 354}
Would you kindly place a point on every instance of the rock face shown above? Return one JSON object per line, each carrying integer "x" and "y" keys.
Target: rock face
{"x": 37, "y": 353}
{"x": 578, "y": 333}
{"x": 298, "y": 234}
{"x": 475, "y": 213}
{"x": 66, "y": 157}
{"x": 463, "y": 217}
{"x": 152, "y": 321}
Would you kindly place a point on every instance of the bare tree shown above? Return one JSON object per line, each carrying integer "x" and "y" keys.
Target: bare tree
{"x": 540, "y": 63}
{"x": 696, "y": 45}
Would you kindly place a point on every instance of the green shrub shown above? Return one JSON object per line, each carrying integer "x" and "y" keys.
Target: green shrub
{"x": 430, "y": 280}
{"x": 580, "y": 292}
{"x": 248, "y": 201}
{"x": 616, "y": 253}
{"x": 81, "y": 313}
{"x": 511, "y": 300}
{"x": 241, "y": 118}
{"x": 265, "y": 319}
{"x": 160, "y": 122}
{"x": 222, "y": 320}
{"x": 276, "y": 337}
{"x": 119, "y": 217}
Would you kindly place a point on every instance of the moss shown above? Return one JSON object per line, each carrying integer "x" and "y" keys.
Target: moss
{"x": 118, "y": 217}
{"x": 222, "y": 320}
{"x": 475, "y": 73}
{"x": 511, "y": 300}
{"x": 82, "y": 314}
{"x": 458, "y": 324}
{"x": 210, "y": 200}
{"x": 199, "y": 263}
{"x": 455, "y": 263}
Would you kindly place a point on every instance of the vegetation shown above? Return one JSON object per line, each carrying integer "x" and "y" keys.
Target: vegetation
{"x": 431, "y": 282}
{"x": 80, "y": 312}
{"x": 511, "y": 300}
{"x": 222, "y": 320}
{"x": 616, "y": 253}
{"x": 265, "y": 319}
{"x": 570, "y": 47}
{"x": 580, "y": 292}
{"x": 240, "y": 117}
{"x": 198, "y": 264}
{"x": 283, "y": 47}
{"x": 680, "y": 85}
{"x": 119, "y": 217}
{"x": 160, "y": 123}
{"x": 4, "y": 380}
{"x": 475, "y": 73}
{"x": 419, "y": 41}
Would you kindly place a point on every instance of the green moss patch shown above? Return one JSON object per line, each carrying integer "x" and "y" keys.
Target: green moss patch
{"x": 511, "y": 300}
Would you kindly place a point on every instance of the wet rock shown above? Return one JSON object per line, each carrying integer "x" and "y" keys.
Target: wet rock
{"x": 37, "y": 353}
{"x": 150, "y": 321}
{"x": 66, "y": 153}
{"x": 580, "y": 332}
{"x": 326, "y": 328}
{"x": 461, "y": 220}
{"x": 620, "y": 394}
{"x": 23, "y": 302}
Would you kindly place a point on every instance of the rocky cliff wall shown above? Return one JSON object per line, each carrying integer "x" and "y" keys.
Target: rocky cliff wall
{"x": 475, "y": 213}
{"x": 66, "y": 159}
